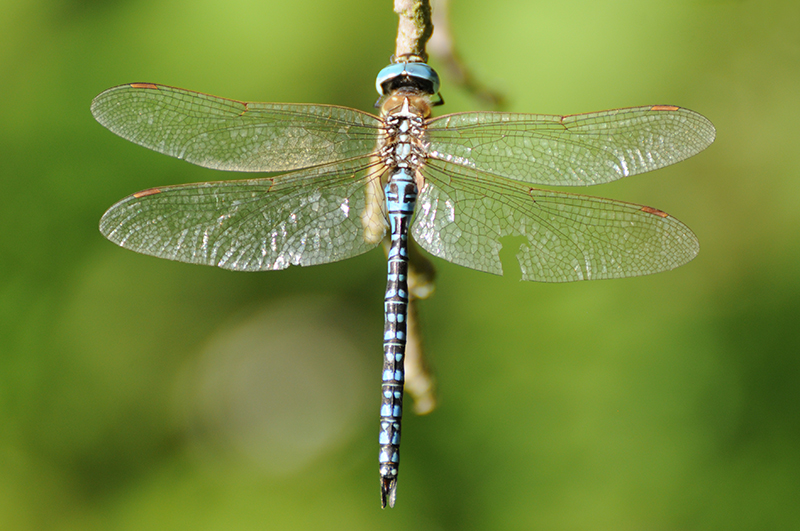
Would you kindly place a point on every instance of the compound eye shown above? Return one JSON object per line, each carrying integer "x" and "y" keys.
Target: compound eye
{"x": 425, "y": 75}
{"x": 418, "y": 75}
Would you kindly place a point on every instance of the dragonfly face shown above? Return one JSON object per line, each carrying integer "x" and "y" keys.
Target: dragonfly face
{"x": 417, "y": 75}
{"x": 457, "y": 184}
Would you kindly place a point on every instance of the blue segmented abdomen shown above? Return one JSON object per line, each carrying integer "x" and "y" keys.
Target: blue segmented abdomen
{"x": 401, "y": 196}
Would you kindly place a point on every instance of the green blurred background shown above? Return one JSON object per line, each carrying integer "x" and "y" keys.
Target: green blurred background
{"x": 137, "y": 393}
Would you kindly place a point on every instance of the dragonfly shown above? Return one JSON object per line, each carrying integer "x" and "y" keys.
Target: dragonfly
{"x": 457, "y": 184}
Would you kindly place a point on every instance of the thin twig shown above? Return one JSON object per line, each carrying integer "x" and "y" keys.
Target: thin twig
{"x": 414, "y": 29}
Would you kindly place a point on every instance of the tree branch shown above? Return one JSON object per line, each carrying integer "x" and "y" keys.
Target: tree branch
{"x": 413, "y": 30}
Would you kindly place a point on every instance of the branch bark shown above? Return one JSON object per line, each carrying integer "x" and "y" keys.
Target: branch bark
{"x": 413, "y": 30}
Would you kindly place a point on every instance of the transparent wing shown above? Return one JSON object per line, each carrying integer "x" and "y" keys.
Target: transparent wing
{"x": 462, "y": 214}
{"x": 307, "y": 217}
{"x": 233, "y": 135}
{"x": 576, "y": 150}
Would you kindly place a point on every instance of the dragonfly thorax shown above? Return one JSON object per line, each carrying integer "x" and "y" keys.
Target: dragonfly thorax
{"x": 401, "y": 150}
{"x": 403, "y": 144}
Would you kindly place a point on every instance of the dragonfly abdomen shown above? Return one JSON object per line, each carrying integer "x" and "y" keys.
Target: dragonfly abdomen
{"x": 401, "y": 195}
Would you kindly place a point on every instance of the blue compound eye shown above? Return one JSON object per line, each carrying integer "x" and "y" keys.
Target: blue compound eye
{"x": 399, "y": 75}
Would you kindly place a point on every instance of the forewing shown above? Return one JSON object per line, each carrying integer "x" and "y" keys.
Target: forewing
{"x": 576, "y": 150}
{"x": 305, "y": 218}
{"x": 233, "y": 135}
{"x": 462, "y": 214}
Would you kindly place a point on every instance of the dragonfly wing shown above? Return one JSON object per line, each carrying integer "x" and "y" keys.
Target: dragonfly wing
{"x": 576, "y": 150}
{"x": 307, "y": 217}
{"x": 233, "y": 135}
{"x": 462, "y": 214}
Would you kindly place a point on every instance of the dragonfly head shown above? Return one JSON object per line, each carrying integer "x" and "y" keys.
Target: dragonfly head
{"x": 399, "y": 75}
{"x": 411, "y": 77}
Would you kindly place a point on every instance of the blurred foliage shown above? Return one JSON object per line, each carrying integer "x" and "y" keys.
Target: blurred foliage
{"x": 142, "y": 394}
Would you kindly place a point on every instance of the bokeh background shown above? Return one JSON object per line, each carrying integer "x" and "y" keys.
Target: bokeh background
{"x": 137, "y": 393}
